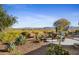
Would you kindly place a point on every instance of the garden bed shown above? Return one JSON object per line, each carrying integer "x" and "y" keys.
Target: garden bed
{"x": 40, "y": 48}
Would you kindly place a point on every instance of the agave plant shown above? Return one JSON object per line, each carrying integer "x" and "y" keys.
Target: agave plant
{"x": 20, "y": 40}
{"x": 11, "y": 47}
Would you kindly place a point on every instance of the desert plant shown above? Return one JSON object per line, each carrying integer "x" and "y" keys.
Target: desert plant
{"x": 1, "y": 36}
{"x": 52, "y": 35}
{"x": 76, "y": 32}
{"x": 49, "y": 34}
{"x": 41, "y": 37}
{"x": 61, "y": 27}
{"x": 56, "y": 50}
{"x": 6, "y": 20}
{"x": 26, "y": 34}
{"x": 36, "y": 37}
{"x": 45, "y": 36}
{"x": 11, "y": 47}
{"x": 20, "y": 40}
{"x": 7, "y": 37}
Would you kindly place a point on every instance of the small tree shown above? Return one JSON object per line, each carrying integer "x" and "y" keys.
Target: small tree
{"x": 61, "y": 27}
{"x": 6, "y": 20}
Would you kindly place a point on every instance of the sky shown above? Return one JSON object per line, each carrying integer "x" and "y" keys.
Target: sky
{"x": 42, "y": 15}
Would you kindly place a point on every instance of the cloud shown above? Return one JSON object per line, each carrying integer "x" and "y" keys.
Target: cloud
{"x": 28, "y": 19}
{"x": 35, "y": 20}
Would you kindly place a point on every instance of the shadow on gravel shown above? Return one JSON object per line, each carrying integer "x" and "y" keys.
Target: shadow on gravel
{"x": 3, "y": 50}
{"x": 42, "y": 50}
{"x": 39, "y": 51}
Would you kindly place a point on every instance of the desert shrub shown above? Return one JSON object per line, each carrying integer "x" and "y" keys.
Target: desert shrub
{"x": 36, "y": 37}
{"x": 77, "y": 32}
{"x": 41, "y": 37}
{"x": 1, "y": 36}
{"x": 20, "y": 40}
{"x": 11, "y": 47}
{"x": 44, "y": 36}
{"x": 70, "y": 33}
{"x": 56, "y": 50}
{"x": 26, "y": 34}
{"x": 51, "y": 35}
{"x": 7, "y": 37}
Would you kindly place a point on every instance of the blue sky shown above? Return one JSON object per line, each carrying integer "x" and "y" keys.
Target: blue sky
{"x": 42, "y": 15}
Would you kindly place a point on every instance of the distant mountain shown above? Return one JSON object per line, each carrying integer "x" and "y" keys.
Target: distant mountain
{"x": 72, "y": 28}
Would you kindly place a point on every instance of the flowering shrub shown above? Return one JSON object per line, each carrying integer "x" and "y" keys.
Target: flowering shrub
{"x": 56, "y": 50}
{"x": 7, "y": 37}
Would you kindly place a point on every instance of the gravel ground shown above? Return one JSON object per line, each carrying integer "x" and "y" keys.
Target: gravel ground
{"x": 31, "y": 48}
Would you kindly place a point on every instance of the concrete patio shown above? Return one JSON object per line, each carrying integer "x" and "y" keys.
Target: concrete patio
{"x": 67, "y": 41}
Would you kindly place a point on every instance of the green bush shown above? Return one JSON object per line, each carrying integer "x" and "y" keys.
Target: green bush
{"x": 26, "y": 34}
{"x": 49, "y": 34}
{"x": 76, "y": 32}
{"x": 20, "y": 40}
{"x": 41, "y": 37}
{"x": 1, "y": 36}
{"x": 7, "y": 37}
{"x": 36, "y": 37}
{"x": 56, "y": 50}
{"x": 70, "y": 33}
{"x": 11, "y": 47}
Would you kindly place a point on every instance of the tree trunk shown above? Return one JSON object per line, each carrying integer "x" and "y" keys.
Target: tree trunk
{"x": 59, "y": 42}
